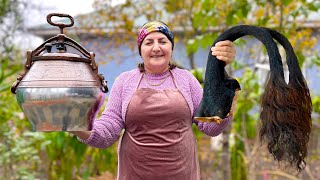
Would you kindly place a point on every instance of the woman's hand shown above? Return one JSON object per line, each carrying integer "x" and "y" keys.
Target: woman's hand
{"x": 225, "y": 51}
{"x": 81, "y": 134}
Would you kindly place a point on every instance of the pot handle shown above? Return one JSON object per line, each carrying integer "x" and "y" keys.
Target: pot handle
{"x": 60, "y": 25}
{"x": 104, "y": 87}
{"x": 27, "y": 66}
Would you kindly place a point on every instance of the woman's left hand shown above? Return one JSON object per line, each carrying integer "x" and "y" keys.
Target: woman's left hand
{"x": 225, "y": 51}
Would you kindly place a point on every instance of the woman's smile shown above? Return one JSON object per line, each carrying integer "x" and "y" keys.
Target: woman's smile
{"x": 157, "y": 56}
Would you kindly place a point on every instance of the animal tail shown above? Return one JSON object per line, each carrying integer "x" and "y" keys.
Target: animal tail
{"x": 286, "y": 108}
{"x": 219, "y": 88}
{"x": 286, "y": 112}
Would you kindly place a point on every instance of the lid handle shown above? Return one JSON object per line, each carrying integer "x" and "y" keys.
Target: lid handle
{"x": 60, "y": 25}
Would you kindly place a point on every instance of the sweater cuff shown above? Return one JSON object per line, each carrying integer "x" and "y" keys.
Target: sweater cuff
{"x": 87, "y": 141}
{"x": 196, "y": 122}
{"x": 201, "y": 124}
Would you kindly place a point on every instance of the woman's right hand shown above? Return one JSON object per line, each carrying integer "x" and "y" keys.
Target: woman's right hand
{"x": 225, "y": 51}
{"x": 84, "y": 135}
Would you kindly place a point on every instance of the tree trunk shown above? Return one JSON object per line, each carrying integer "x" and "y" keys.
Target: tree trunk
{"x": 225, "y": 155}
{"x": 191, "y": 60}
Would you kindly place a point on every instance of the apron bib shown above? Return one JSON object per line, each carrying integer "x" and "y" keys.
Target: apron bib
{"x": 158, "y": 143}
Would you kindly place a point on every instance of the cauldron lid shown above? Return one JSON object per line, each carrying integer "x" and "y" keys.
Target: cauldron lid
{"x": 62, "y": 44}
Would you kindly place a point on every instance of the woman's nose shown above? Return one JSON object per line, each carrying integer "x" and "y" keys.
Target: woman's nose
{"x": 156, "y": 47}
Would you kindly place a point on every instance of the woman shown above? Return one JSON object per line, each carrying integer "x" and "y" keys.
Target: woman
{"x": 155, "y": 104}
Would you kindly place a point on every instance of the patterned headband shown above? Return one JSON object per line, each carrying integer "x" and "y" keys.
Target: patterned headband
{"x": 154, "y": 26}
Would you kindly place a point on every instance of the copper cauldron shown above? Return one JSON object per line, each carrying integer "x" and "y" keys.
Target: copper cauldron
{"x": 60, "y": 90}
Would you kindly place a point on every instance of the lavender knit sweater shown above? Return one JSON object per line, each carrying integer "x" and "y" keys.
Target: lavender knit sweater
{"x": 108, "y": 128}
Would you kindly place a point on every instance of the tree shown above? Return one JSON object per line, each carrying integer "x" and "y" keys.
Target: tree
{"x": 36, "y": 155}
{"x": 197, "y": 23}
{"x": 16, "y": 147}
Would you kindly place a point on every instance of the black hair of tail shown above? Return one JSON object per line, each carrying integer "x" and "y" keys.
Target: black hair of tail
{"x": 219, "y": 88}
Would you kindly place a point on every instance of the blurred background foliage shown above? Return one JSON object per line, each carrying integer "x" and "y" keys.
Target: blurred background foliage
{"x": 34, "y": 155}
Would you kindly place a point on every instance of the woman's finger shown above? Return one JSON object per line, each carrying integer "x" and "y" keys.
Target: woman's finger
{"x": 224, "y": 43}
{"x": 224, "y": 50}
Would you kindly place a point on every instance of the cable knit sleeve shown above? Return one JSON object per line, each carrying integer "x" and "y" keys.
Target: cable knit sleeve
{"x": 211, "y": 129}
{"x": 107, "y": 129}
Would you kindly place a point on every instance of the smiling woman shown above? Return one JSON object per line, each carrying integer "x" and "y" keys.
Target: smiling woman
{"x": 156, "y": 52}
{"x": 155, "y": 44}
{"x": 155, "y": 104}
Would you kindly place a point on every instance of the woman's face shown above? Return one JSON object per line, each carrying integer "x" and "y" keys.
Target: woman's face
{"x": 156, "y": 51}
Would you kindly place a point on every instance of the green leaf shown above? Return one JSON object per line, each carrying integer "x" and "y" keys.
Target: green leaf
{"x": 286, "y": 2}
{"x": 313, "y": 7}
{"x": 301, "y": 58}
{"x": 192, "y": 46}
{"x": 230, "y": 18}
{"x": 206, "y": 40}
{"x": 4, "y": 87}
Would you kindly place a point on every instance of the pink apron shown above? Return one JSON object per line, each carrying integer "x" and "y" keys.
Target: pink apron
{"x": 158, "y": 143}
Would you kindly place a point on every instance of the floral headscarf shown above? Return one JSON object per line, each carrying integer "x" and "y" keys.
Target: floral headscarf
{"x": 154, "y": 26}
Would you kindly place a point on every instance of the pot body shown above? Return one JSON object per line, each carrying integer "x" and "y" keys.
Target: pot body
{"x": 60, "y": 109}
{"x": 60, "y": 89}
{"x": 60, "y": 96}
